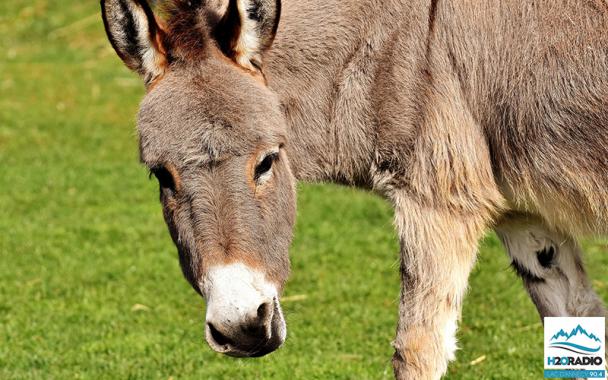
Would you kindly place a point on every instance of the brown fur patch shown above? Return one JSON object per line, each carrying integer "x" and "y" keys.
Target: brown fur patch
{"x": 187, "y": 29}
{"x": 177, "y": 181}
{"x": 250, "y": 169}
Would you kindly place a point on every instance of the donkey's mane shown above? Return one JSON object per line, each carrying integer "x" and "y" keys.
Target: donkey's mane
{"x": 187, "y": 25}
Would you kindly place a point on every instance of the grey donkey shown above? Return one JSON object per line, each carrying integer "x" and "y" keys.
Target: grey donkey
{"x": 467, "y": 116}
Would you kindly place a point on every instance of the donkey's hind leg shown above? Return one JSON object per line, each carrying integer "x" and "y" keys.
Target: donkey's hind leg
{"x": 551, "y": 267}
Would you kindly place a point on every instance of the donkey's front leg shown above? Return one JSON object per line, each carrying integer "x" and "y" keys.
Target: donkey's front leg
{"x": 438, "y": 250}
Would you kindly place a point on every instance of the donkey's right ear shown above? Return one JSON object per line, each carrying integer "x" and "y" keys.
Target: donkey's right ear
{"x": 135, "y": 35}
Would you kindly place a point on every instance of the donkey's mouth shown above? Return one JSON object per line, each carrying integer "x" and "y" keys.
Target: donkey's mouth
{"x": 252, "y": 342}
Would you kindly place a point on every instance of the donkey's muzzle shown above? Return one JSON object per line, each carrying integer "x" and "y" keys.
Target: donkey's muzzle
{"x": 255, "y": 334}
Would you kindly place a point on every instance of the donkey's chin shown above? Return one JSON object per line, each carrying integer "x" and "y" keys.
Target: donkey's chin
{"x": 244, "y": 346}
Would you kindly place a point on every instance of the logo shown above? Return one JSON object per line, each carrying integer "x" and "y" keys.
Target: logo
{"x": 575, "y": 348}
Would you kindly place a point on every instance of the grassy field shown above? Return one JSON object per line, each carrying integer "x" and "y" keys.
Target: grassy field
{"x": 89, "y": 281}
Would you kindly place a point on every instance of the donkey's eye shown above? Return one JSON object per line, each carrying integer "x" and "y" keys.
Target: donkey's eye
{"x": 165, "y": 179}
{"x": 263, "y": 170}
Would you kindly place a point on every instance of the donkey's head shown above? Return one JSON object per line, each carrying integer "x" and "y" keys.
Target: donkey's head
{"x": 214, "y": 135}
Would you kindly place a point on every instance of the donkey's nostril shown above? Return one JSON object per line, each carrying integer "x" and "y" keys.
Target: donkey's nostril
{"x": 264, "y": 311}
{"x": 218, "y": 337}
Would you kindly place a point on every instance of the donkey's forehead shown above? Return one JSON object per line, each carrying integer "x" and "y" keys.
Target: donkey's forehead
{"x": 202, "y": 119}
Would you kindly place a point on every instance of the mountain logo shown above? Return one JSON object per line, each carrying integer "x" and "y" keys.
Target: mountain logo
{"x": 574, "y": 347}
{"x": 578, "y": 340}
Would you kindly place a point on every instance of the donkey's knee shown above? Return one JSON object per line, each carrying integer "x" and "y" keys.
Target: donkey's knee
{"x": 551, "y": 268}
{"x": 428, "y": 321}
{"x": 424, "y": 351}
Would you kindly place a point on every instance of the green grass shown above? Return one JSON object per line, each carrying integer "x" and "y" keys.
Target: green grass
{"x": 89, "y": 281}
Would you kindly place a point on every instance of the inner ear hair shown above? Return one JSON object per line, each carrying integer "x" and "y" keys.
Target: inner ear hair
{"x": 247, "y": 29}
{"x": 136, "y": 36}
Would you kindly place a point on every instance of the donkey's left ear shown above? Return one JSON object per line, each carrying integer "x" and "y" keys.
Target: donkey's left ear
{"x": 136, "y": 36}
{"x": 247, "y": 30}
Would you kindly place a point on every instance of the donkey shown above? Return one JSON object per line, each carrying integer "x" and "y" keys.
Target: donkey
{"x": 466, "y": 116}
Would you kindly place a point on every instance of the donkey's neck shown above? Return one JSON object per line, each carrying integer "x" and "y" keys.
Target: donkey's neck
{"x": 324, "y": 66}
{"x": 329, "y": 65}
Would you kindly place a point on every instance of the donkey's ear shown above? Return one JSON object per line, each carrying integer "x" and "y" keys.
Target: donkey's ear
{"x": 247, "y": 29}
{"x": 135, "y": 35}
